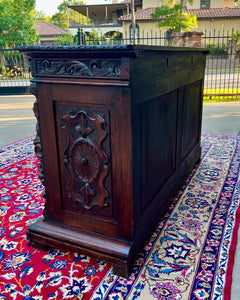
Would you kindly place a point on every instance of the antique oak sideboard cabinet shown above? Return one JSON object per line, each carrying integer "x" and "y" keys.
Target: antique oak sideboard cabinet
{"x": 118, "y": 130}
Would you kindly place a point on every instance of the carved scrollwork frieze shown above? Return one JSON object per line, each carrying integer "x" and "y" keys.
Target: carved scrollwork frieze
{"x": 85, "y": 68}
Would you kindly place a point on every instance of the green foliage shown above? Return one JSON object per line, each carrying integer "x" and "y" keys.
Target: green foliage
{"x": 64, "y": 14}
{"x": 173, "y": 17}
{"x": 216, "y": 49}
{"x": 17, "y": 23}
{"x": 112, "y": 38}
{"x": 13, "y": 64}
{"x": 41, "y": 17}
{"x": 93, "y": 37}
{"x": 114, "y": 35}
{"x": 66, "y": 39}
{"x": 61, "y": 17}
{"x": 235, "y": 36}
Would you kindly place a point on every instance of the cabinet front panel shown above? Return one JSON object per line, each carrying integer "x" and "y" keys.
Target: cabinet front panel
{"x": 84, "y": 158}
{"x": 87, "y": 137}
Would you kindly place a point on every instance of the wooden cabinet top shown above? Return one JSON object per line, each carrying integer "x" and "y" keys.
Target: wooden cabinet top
{"x": 117, "y": 62}
{"x": 103, "y": 50}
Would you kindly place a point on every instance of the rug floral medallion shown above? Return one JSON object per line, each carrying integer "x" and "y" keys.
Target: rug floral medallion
{"x": 188, "y": 256}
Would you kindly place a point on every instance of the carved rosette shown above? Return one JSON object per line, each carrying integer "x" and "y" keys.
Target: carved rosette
{"x": 84, "y": 158}
{"x": 37, "y": 140}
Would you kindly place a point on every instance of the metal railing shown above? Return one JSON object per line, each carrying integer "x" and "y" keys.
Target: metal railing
{"x": 14, "y": 69}
{"x": 96, "y": 22}
{"x": 222, "y": 75}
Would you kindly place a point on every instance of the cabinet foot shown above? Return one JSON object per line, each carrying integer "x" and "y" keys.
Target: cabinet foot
{"x": 123, "y": 270}
{"x": 36, "y": 245}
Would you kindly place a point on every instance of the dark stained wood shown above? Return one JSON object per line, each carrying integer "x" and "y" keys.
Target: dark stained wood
{"x": 118, "y": 131}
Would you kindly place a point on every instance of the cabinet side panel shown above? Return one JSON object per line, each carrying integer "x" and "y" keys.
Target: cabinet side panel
{"x": 190, "y": 118}
{"x": 158, "y": 149}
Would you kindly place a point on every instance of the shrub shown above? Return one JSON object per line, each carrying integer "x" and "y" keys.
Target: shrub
{"x": 216, "y": 49}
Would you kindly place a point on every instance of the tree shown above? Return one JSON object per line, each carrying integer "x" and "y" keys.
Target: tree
{"x": 237, "y": 3}
{"x": 40, "y": 16}
{"x": 61, "y": 17}
{"x": 17, "y": 19}
{"x": 173, "y": 17}
{"x": 66, "y": 39}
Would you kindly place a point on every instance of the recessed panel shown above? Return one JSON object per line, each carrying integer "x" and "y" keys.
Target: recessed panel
{"x": 190, "y": 116}
{"x": 158, "y": 139}
{"x": 84, "y": 154}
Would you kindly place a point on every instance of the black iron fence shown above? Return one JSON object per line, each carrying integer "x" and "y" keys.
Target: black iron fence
{"x": 222, "y": 76}
{"x": 14, "y": 69}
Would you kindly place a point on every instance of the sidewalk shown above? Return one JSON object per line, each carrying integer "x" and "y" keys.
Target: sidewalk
{"x": 221, "y": 117}
{"x": 17, "y": 120}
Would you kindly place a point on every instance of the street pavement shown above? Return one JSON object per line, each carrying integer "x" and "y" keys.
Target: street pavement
{"x": 221, "y": 117}
{"x": 17, "y": 121}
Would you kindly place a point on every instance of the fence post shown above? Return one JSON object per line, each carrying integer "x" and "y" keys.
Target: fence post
{"x": 187, "y": 39}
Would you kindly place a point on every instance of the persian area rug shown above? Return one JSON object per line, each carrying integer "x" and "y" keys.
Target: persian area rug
{"x": 190, "y": 254}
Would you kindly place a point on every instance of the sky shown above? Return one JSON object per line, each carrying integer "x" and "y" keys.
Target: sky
{"x": 49, "y": 7}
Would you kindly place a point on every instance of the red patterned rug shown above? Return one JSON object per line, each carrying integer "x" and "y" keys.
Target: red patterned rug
{"x": 190, "y": 254}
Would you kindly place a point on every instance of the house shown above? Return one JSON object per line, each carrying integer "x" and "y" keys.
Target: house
{"x": 104, "y": 18}
{"x": 212, "y": 15}
{"x": 48, "y": 32}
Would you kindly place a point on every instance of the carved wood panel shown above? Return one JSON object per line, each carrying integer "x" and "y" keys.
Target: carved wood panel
{"x": 85, "y": 159}
{"x": 38, "y": 143}
{"x": 76, "y": 67}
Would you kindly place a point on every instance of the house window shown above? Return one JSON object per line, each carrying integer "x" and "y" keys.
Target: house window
{"x": 131, "y": 33}
{"x": 205, "y": 3}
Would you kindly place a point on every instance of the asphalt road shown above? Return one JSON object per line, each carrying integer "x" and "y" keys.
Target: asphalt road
{"x": 17, "y": 119}
{"x": 221, "y": 117}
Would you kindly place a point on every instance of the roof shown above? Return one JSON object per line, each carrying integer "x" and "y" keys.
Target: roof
{"x": 47, "y": 29}
{"x": 204, "y": 13}
{"x": 216, "y": 13}
{"x": 144, "y": 14}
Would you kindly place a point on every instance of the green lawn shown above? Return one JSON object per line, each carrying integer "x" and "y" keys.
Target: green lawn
{"x": 221, "y": 95}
